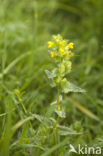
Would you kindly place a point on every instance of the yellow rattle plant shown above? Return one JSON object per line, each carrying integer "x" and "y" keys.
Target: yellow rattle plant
{"x": 60, "y": 51}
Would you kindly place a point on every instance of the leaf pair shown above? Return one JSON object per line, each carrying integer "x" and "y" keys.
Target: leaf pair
{"x": 70, "y": 87}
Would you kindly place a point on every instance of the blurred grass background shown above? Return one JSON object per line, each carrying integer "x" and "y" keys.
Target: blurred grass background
{"x": 25, "y": 28}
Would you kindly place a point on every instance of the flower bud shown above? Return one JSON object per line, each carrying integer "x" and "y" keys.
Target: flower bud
{"x": 64, "y": 83}
{"x": 57, "y": 81}
{"x": 68, "y": 65}
{"x": 62, "y": 68}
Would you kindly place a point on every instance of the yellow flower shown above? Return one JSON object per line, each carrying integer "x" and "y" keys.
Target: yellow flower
{"x": 61, "y": 51}
{"x": 69, "y": 53}
{"x": 70, "y": 45}
{"x": 52, "y": 54}
{"x": 50, "y": 44}
{"x": 63, "y": 43}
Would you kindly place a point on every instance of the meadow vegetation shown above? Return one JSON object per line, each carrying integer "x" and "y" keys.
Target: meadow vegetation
{"x": 27, "y": 117}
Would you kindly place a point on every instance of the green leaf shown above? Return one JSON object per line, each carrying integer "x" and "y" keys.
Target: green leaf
{"x": 63, "y": 130}
{"x": 55, "y": 147}
{"x": 72, "y": 88}
{"x": 50, "y": 75}
{"x": 84, "y": 110}
{"x": 64, "y": 133}
{"x": 61, "y": 113}
{"x": 13, "y": 63}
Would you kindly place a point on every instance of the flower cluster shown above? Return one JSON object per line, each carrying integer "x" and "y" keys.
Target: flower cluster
{"x": 60, "y": 50}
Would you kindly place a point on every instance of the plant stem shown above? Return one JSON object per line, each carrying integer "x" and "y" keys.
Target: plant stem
{"x": 58, "y": 101}
{"x": 58, "y": 108}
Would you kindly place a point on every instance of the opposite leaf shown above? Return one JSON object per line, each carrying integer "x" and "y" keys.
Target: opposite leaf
{"x": 72, "y": 88}
{"x": 49, "y": 74}
{"x": 61, "y": 113}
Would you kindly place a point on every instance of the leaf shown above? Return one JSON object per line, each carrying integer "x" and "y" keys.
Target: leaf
{"x": 39, "y": 117}
{"x": 84, "y": 110}
{"x": 49, "y": 74}
{"x": 33, "y": 145}
{"x": 72, "y": 88}
{"x": 3, "y": 114}
{"x": 55, "y": 102}
{"x": 23, "y": 121}
{"x": 63, "y": 130}
{"x": 55, "y": 147}
{"x": 64, "y": 133}
{"x": 13, "y": 63}
{"x": 61, "y": 113}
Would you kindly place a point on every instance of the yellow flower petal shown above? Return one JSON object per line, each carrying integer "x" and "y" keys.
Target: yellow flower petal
{"x": 70, "y": 45}
{"x": 63, "y": 43}
{"x": 69, "y": 53}
{"x": 61, "y": 51}
{"x": 50, "y": 44}
{"x": 52, "y": 54}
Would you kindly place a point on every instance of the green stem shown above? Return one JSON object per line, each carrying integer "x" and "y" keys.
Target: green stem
{"x": 58, "y": 101}
{"x": 58, "y": 108}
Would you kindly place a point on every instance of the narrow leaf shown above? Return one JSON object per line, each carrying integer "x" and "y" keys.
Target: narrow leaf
{"x": 84, "y": 110}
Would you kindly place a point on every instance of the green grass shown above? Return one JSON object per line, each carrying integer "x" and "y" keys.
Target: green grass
{"x": 25, "y": 28}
